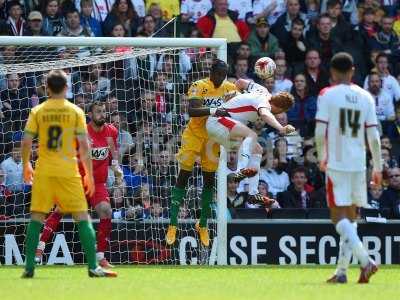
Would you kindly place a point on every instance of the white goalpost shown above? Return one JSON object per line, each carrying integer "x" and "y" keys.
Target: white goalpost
{"x": 144, "y": 83}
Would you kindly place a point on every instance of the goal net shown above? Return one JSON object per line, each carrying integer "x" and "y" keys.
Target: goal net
{"x": 143, "y": 83}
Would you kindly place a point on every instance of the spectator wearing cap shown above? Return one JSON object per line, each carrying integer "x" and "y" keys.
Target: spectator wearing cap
{"x": 283, "y": 24}
{"x": 16, "y": 24}
{"x": 220, "y": 22}
{"x": 271, "y": 10}
{"x": 35, "y": 25}
{"x": 316, "y": 76}
{"x": 295, "y": 46}
{"x": 87, "y": 21}
{"x": 383, "y": 101}
{"x": 323, "y": 41}
{"x": 261, "y": 41}
{"x": 391, "y": 196}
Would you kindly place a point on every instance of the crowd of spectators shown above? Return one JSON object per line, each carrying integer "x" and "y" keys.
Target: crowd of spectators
{"x": 145, "y": 95}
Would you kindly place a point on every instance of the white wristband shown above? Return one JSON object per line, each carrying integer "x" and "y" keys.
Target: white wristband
{"x": 213, "y": 110}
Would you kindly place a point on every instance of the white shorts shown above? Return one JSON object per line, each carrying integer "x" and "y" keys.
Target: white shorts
{"x": 346, "y": 188}
{"x": 218, "y": 129}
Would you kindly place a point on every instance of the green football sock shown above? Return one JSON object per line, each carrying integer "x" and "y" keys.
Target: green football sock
{"x": 88, "y": 241}
{"x": 206, "y": 197}
{"x": 177, "y": 195}
{"x": 31, "y": 242}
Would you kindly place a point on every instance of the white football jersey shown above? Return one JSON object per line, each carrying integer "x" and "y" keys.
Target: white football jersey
{"x": 101, "y": 8}
{"x": 244, "y": 107}
{"x": 256, "y": 88}
{"x": 196, "y": 9}
{"x": 390, "y": 85}
{"x": 242, "y": 7}
{"x": 347, "y": 110}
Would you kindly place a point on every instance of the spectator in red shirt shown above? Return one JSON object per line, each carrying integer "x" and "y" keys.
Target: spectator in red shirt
{"x": 208, "y": 23}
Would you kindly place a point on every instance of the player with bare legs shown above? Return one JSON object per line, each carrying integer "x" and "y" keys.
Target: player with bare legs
{"x": 103, "y": 138}
{"x": 345, "y": 114}
{"x": 228, "y": 131}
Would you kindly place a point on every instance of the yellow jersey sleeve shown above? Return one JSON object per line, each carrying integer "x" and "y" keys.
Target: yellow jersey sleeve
{"x": 81, "y": 128}
{"x": 31, "y": 126}
{"x": 195, "y": 91}
{"x": 229, "y": 86}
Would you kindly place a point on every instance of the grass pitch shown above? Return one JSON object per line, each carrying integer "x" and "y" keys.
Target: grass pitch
{"x": 191, "y": 283}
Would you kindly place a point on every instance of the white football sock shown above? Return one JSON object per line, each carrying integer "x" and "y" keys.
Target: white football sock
{"x": 344, "y": 257}
{"x": 41, "y": 245}
{"x": 345, "y": 254}
{"x": 245, "y": 153}
{"x": 255, "y": 161}
{"x": 99, "y": 256}
{"x": 349, "y": 232}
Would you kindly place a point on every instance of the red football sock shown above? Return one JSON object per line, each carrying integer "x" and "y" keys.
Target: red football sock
{"x": 50, "y": 226}
{"x": 103, "y": 234}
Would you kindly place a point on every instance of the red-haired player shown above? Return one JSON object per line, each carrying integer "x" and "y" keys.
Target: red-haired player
{"x": 103, "y": 141}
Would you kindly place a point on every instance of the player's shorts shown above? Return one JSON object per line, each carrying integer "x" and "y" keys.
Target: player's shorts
{"x": 218, "y": 129}
{"x": 66, "y": 192}
{"x": 194, "y": 147}
{"x": 100, "y": 195}
{"x": 346, "y": 188}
